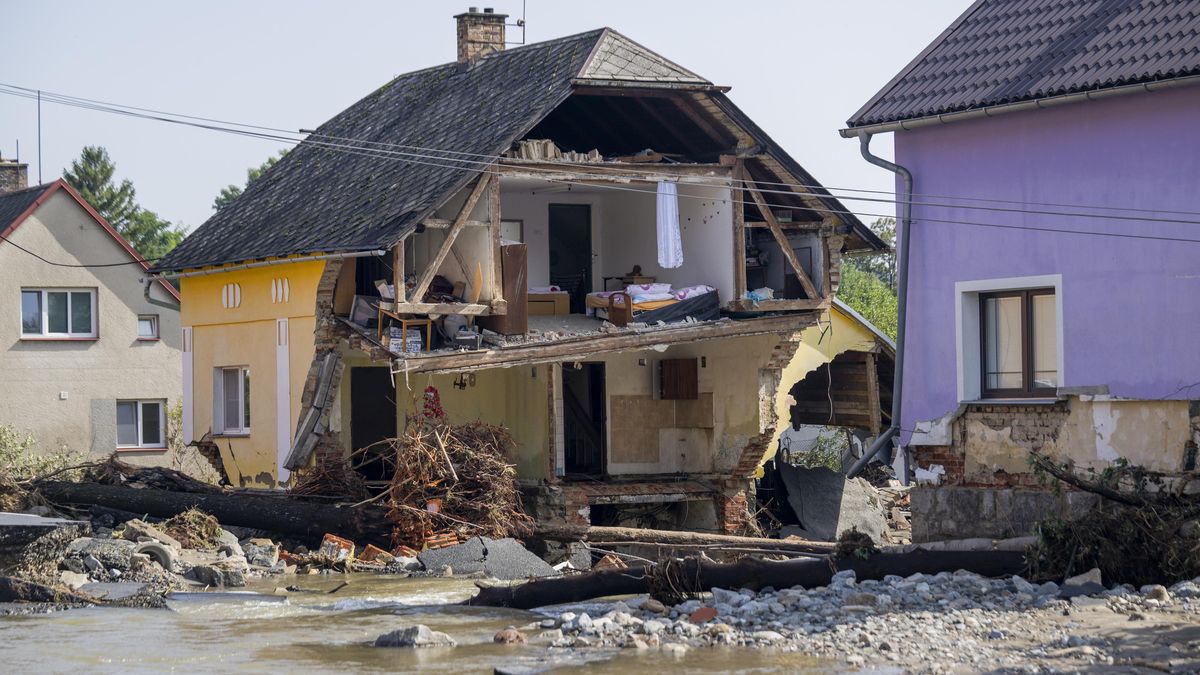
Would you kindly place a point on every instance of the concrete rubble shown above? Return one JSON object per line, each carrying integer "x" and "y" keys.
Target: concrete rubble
{"x": 949, "y": 622}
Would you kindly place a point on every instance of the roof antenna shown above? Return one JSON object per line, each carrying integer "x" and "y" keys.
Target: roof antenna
{"x": 519, "y": 24}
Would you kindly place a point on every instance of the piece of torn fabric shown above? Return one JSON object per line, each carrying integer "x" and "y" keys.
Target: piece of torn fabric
{"x": 670, "y": 244}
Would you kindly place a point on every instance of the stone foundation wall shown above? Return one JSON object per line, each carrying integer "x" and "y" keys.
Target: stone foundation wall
{"x": 965, "y": 512}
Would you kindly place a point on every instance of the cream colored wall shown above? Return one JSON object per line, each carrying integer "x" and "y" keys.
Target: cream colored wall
{"x": 515, "y": 397}
{"x": 92, "y": 374}
{"x": 1096, "y": 432}
{"x": 246, "y": 335}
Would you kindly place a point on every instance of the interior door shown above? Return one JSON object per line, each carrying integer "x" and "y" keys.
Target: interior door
{"x": 571, "y": 251}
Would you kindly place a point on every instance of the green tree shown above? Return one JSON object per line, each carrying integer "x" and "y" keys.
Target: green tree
{"x": 868, "y": 282}
{"x": 231, "y": 191}
{"x": 92, "y": 176}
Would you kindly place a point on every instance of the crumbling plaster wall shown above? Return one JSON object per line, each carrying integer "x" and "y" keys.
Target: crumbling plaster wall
{"x": 989, "y": 443}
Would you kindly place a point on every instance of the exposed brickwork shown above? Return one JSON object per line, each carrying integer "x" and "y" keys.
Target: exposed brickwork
{"x": 951, "y": 459}
{"x": 733, "y": 508}
{"x": 1031, "y": 425}
{"x": 479, "y": 34}
{"x": 768, "y": 384}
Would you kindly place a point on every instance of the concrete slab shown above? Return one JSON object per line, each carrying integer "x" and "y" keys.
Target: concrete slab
{"x": 111, "y": 591}
{"x": 504, "y": 559}
{"x": 828, "y": 503}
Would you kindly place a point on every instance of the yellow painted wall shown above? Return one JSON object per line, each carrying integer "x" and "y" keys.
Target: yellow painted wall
{"x": 245, "y": 335}
{"x": 838, "y": 332}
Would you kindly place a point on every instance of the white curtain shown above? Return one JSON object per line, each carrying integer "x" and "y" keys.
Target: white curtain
{"x": 670, "y": 245}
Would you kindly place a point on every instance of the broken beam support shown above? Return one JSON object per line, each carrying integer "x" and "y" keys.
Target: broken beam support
{"x": 444, "y": 224}
{"x": 464, "y": 308}
{"x": 459, "y": 223}
{"x": 873, "y": 395}
{"x": 781, "y": 239}
{"x": 493, "y": 208}
{"x": 739, "y": 231}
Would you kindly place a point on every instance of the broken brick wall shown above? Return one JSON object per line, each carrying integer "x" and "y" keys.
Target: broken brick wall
{"x": 988, "y": 488}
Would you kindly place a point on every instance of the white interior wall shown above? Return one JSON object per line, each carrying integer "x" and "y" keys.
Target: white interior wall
{"x": 624, "y": 235}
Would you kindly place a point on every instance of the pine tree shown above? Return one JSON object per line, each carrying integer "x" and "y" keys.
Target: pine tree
{"x": 92, "y": 176}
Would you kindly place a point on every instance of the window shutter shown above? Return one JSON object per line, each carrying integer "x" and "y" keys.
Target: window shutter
{"x": 680, "y": 379}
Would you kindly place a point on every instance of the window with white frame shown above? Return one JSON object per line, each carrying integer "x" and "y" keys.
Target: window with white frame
{"x": 1010, "y": 337}
{"x": 141, "y": 424}
{"x": 58, "y": 312}
{"x": 147, "y": 327}
{"x": 231, "y": 400}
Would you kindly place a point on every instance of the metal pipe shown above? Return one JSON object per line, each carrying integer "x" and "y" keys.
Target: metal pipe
{"x": 1004, "y": 108}
{"x": 267, "y": 263}
{"x": 903, "y": 237}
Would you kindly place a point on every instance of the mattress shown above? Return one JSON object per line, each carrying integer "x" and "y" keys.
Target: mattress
{"x": 599, "y": 300}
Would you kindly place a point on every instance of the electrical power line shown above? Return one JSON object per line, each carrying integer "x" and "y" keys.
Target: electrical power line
{"x": 485, "y": 159}
{"x": 74, "y": 265}
{"x": 248, "y": 130}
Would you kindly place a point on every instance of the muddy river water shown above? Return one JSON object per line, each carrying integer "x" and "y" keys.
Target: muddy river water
{"x": 318, "y": 632}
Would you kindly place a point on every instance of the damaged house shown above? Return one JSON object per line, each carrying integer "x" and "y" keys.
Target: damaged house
{"x": 1048, "y": 162}
{"x": 577, "y": 239}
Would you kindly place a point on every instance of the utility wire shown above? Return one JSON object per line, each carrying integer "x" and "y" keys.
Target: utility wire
{"x": 490, "y": 168}
{"x": 58, "y": 264}
{"x": 485, "y": 159}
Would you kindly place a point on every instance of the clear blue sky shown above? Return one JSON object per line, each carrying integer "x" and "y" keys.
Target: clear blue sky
{"x": 799, "y": 68}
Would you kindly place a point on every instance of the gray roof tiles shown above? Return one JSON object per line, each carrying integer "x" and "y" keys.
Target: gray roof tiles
{"x": 1003, "y": 51}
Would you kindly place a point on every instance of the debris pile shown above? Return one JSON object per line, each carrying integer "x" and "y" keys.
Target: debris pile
{"x": 449, "y": 482}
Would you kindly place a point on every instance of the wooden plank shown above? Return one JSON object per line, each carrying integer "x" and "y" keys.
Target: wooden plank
{"x": 398, "y": 270}
{"x": 464, "y": 308}
{"x": 780, "y": 239}
{"x": 696, "y": 118}
{"x": 807, "y": 226}
{"x": 588, "y": 345}
{"x": 444, "y": 224}
{"x": 460, "y": 222}
{"x": 493, "y": 207}
{"x": 826, "y": 270}
{"x": 739, "y": 231}
{"x": 624, "y": 170}
{"x": 873, "y": 395}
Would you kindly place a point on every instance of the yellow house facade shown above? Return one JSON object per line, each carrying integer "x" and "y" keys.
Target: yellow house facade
{"x": 253, "y": 327}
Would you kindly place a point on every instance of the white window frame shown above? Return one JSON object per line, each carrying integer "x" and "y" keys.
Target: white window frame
{"x": 220, "y": 426}
{"x": 162, "y": 424}
{"x": 967, "y": 328}
{"x": 92, "y": 331}
{"x": 153, "y": 318}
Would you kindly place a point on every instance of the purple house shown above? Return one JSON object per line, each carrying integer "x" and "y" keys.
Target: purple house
{"x": 1048, "y": 185}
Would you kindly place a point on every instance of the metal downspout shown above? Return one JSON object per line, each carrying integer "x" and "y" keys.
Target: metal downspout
{"x": 902, "y": 237}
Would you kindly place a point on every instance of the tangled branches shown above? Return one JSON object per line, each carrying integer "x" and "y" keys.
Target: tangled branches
{"x": 1144, "y": 531}
{"x": 447, "y": 478}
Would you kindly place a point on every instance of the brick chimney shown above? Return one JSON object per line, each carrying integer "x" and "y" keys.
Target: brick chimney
{"x": 14, "y": 175}
{"x": 479, "y": 33}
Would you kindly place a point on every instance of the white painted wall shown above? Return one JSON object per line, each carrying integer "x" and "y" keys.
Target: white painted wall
{"x": 93, "y": 374}
{"x": 624, "y": 235}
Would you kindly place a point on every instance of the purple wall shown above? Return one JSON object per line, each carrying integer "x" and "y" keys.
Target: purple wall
{"x": 1131, "y": 307}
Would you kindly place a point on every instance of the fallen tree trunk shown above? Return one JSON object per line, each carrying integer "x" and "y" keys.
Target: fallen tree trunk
{"x": 618, "y": 536}
{"x": 694, "y": 575}
{"x": 307, "y": 520}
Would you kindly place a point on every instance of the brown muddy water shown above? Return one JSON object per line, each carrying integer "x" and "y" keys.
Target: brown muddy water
{"x": 333, "y": 633}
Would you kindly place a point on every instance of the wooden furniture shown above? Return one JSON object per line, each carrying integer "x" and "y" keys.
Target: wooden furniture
{"x": 406, "y": 321}
{"x": 514, "y": 278}
{"x": 620, "y": 308}
{"x": 628, "y": 280}
{"x": 549, "y": 303}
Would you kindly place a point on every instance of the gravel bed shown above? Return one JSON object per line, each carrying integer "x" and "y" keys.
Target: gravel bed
{"x": 958, "y": 622}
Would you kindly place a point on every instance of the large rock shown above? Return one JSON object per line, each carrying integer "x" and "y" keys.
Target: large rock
{"x": 415, "y": 636}
{"x": 111, "y": 553}
{"x": 219, "y": 576}
{"x": 139, "y": 530}
{"x": 828, "y": 503}
{"x": 261, "y": 552}
{"x": 504, "y": 559}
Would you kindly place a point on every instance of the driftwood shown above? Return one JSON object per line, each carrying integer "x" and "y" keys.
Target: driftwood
{"x": 694, "y": 575}
{"x": 309, "y": 520}
{"x": 16, "y": 590}
{"x": 669, "y": 540}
